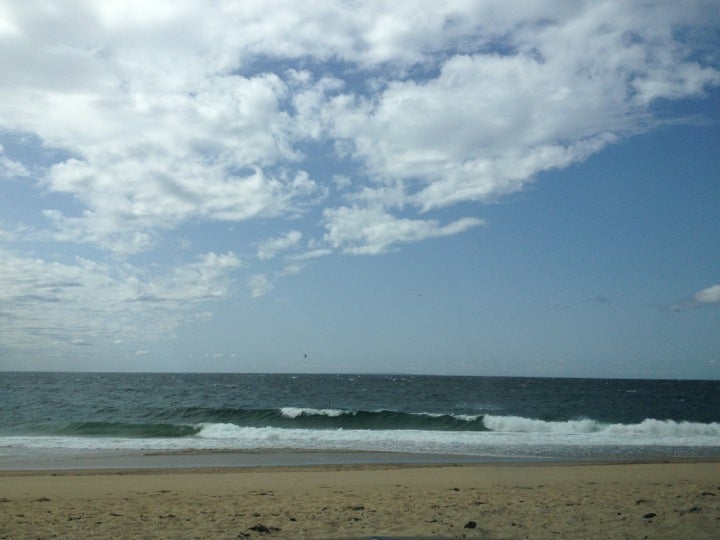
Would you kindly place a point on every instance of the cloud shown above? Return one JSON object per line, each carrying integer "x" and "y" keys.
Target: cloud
{"x": 371, "y": 231}
{"x": 360, "y": 125}
{"x": 202, "y": 280}
{"x": 711, "y": 295}
{"x": 291, "y": 269}
{"x": 312, "y": 253}
{"x": 10, "y": 169}
{"x": 148, "y": 152}
{"x": 259, "y": 285}
{"x": 43, "y": 301}
{"x": 707, "y": 296}
{"x": 181, "y": 113}
{"x": 269, "y": 248}
{"x": 490, "y": 121}
{"x": 124, "y": 215}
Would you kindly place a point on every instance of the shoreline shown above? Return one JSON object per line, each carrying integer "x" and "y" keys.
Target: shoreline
{"x": 234, "y": 459}
{"x": 532, "y": 466}
{"x": 372, "y": 466}
{"x": 677, "y": 499}
{"x": 259, "y": 458}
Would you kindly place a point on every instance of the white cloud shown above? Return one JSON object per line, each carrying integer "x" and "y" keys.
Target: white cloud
{"x": 187, "y": 164}
{"x": 149, "y": 151}
{"x": 43, "y": 301}
{"x": 312, "y": 253}
{"x": 489, "y": 122}
{"x": 9, "y": 168}
{"x": 177, "y": 112}
{"x": 204, "y": 279}
{"x": 269, "y": 248}
{"x": 342, "y": 181}
{"x": 371, "y": 231}
{"x": 291, "y": 269}
{"x": 6, "y": 25}
{"x": 167, "y": 114}
{"x": 711, "y": 295}
{"x": 259, "y": 285}
{"x": 125, "y": 215}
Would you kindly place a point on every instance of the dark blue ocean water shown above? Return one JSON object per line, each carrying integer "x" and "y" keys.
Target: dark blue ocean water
{"x": 518, "y": 418}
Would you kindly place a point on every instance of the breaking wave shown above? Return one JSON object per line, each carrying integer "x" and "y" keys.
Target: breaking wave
{"x": 196, "y": 422}
{"x": 650, "y": 426}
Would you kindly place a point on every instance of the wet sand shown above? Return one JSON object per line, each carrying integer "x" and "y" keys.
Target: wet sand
{"x": 519, "y": 500}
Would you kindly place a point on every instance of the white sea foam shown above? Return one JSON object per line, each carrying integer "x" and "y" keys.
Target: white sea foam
{"x": 223, "y": 436}
{"x": 511, "y": 437}
{"x": 467, "y": 417}
{"x": 294, "y": 412}
{"x": 667, "y": 427}
{"x": 574, "y": 434}
{"x": 519, "y": 424}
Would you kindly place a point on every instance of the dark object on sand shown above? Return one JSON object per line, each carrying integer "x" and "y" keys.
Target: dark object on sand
{"x": 262, "y": 529}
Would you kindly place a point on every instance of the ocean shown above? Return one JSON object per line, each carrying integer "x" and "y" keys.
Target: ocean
{"x": 70, "y": 418}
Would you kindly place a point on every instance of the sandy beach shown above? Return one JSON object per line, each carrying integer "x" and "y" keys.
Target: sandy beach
{"x": 660, "y": 500}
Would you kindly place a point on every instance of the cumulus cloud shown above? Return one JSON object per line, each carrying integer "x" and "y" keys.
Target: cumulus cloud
{"x": 711, "y": 295}
{"x": 492, "y": 120}
{"x": 356, "y": 123}
{"x": 707, "y": 296}
{"x": 177, "y": 112}
{"x": 149, "y": 152}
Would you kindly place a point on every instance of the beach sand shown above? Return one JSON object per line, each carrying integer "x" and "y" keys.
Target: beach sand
{"x": 660, "y": 500}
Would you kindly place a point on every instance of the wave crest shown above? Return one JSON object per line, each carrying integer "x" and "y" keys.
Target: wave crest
{"x": 294, "y": 412}
{"x": 650, "y": 426}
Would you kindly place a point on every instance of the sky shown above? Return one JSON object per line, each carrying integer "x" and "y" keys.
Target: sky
{"x": 451, "y": 187}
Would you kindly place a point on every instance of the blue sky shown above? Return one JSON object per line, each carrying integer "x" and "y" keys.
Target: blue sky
{"x": 420, "y": 187}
